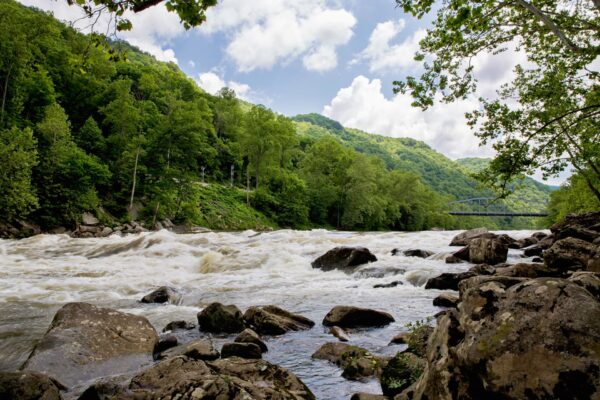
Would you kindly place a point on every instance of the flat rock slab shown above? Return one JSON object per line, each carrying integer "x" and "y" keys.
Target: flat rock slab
{"x": 344, "y": 258}
{"x": 355, "y": 317}
{"x": 201, "y": 349}
{"x": 272, "y": 320}
{"x": 85, "y": 341}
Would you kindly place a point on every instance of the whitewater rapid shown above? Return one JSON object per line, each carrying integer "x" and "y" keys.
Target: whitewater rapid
{"x": 40, "y": 274}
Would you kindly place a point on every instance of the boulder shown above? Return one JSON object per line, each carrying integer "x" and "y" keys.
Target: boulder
{"x": 89, "y": 219}
{"x": 482, "y": 269}
{"x": 179, "y": 326}
{"x": 416, "y": 339}
{"x": 487, "y": 251}
{"x": 448, "y": 280}
{"x": 331, "y": 351}
{"x": 546, "y": 242}
{"x": 451, "y": 259}
{"x": 418, "y": 253}
{"x": 378, "y": 272}
{"x": 355, "y": 317}
{"x": 446, "y": 300}
{"x": 588, "y": 280}
{"x": 242, "y": 350}
{"x": 569, "y": 253}
{"x": 535, "y": 339}
{"x": 163, "y": 294}
{"x": 355, "y": 361}
{"x": 578, "y": 226}
{"x": 465, "y": 238}
{"x": 165, "y": 343}
{"x": 401, "y": 372}
{"x": 594, "y": 261}
{"x": 387, "y": 285}
{"x": 27, "y": 385}
{"x": 219, "y": 318}
{"x": 522, "y": 243}
{"x": 200, "y": 349}
{"x": 463, "y": 254}
{"x": 344, "y": 258}
{"x": 84, "y": 340}
{"x": 272, "y": 320}
{"x": 539, "y": 235}
{"x": 526, "y": 270}
{"x": 339, "y": 333}
{"x": 533, "y": 251}
{"x": 249, "y": 336}
{"x": 230, "y": 378}
{"x": 367, "y": 396}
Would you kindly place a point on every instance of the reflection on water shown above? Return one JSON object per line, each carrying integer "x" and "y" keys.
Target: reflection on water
{"x": 41, "y": 273}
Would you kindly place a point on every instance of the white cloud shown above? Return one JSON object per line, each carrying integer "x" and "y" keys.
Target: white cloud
{"x": 192, "y": 64}
{"x": 382, "y": 55}
{"x": 264, "y": 33}
{"x": 212, "y": 83}
{"x": 362, "y": 105}
{"x": 153, "y": 30}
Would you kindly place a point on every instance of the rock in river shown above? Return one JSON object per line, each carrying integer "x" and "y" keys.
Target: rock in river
{"x": 249, "y": 336}
{"x": 344, "y": 258}
{"x": 200, "y": 349}
{"x": 242, "y": 350}
{"x": 272, "y": 320}
{"x": 355, "y": 317}
{"x": 219, "y": 318}
{"x": 26, "y": 385}
{"x": 163, "y": 294}
{"x": 464, "y": 238}
{"x": 84, "y": 339}
{"x": 487, "y": 251}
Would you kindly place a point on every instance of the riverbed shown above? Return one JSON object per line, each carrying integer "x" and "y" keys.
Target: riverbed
{"x": 40, "y": 274}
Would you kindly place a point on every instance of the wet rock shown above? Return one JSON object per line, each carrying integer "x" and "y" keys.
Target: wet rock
{"x": 533, "y": 251}
{"x": 504, "y": 282}
{"x": 339, "y": 333}
{"x": 344, "y": 258}
{"x": 401, "y": 372}
{"x": 526, "y": 270}
{"x": 537, "y": 260}
{"x": 165, "y": 343}
{"x": 387, "y": 285}
{"x": 355, "y": 361}
{"x": 242, "y": 350}
{"x": 465, "y": 238}
{"x": 588, "y": 280}
{"x": 487, "y": 251}
{"x": 546, "y": 243}
{"x": 179, "y": 326}
{"x": 418, "y": 253}
{"x": 594, "y": 261}
{"x": 26, "y": 385}
{"x": 163, "y": 294}
{"x": 569, "y": 253}
{"x": 367, "y": 396}
{"x": 355, "y": 317}
{"x": 378, "y": 272}
{"x": 482, "y": 269}
{"x": 535, "y": 339}
{"x": 522, "y": 243}
{"x": 463, "y": 254}
{"x": 105, "y": 232}
{"x": 249, "y": 336}
{"x": 448, "y": 280}
{"x": 416, "y": 339}
{"x": 453, "y": 260}
{"x": 539, "y": 235}
{"x": 84, "y": 339}
{"x": 446, "y": 300}
{"x": 401, "y": 338}
{"x": 272, "y": 320}
{"x": 200, "y": 349}
{"x": 230, "y": 378}
{"x": 219, "y": 318}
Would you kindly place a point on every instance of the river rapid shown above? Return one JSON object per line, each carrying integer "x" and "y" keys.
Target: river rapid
{"x": 40, "y": 274}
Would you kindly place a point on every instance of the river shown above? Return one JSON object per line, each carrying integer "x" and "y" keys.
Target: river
{"x": 39, "y": 274}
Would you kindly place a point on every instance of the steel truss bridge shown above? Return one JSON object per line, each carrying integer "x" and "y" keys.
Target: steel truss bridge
{"x": 487, "y": 207}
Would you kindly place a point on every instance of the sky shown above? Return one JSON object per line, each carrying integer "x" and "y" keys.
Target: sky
{"x": 333, "y": 57}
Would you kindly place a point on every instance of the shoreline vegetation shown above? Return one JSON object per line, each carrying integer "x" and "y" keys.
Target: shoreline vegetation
{"x": 99, "y": 127}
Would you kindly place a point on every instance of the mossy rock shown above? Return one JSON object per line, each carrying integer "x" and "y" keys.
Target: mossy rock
{"x": 401, "y": 372}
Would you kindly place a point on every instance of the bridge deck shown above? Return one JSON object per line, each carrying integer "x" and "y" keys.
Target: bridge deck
{"x": 496, "y": 214}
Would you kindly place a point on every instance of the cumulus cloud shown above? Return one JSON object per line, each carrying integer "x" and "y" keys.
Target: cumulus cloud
{"x": 212, "y": 83}
{"x": 363, "y": 105}
{"x": 264, "y": 33}
{"x": 152, "y": 32}
{"x": 382, "y": 55}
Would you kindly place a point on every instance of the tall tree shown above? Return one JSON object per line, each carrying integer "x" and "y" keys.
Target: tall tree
{"x": 548, "y": 116}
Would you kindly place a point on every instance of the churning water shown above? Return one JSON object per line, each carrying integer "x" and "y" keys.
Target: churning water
{"x": 40, "y": 274}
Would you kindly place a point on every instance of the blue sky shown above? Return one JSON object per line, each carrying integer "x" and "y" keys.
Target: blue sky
{"x": 334, "y": 57}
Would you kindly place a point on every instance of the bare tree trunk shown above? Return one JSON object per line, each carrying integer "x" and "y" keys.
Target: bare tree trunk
{"x": 4, "y": 93}
{"x": 155, "y": 213}
{"x": 248, "y": 185}
{"x": 137, "y": 156}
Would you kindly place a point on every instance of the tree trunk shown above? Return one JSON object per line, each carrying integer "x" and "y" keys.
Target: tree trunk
{"x": 4, "y": 93}
{"x": 155, "y": 214}
{"x": 248, "y": 185}
{"x": 137, "y": 156}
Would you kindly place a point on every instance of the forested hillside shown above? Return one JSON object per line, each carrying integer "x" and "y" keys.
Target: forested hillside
{"x": 87, "y": 125}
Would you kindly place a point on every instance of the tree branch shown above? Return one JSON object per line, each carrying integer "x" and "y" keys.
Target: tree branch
{"x": 142, "y": 5}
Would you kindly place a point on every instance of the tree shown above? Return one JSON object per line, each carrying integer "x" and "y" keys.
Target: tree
{"x": 191, "y": 12}
{"x": 18, "y": 156}
{"x": 548, "y": 116}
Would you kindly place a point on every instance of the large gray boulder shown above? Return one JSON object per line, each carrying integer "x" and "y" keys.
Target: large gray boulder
{"x": 272, "y": 320}
{"x": 511, "y": 339}
{"x": 84, "y": 341}
{"x": 490, "y": 251}
{"x": 219, "y": 318}
{"x": 356, "y": 317}
{"x": 448, "y": 280}
{"x": 464, "y": 238}
{"x": 356, "y": 362}
{"x": 344, "y": 258}
{"x": 584, "y": 226}
{"x": 569, "y": 253}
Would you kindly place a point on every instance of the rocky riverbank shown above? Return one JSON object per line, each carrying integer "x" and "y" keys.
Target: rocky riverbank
{"x": 510, "y": 331}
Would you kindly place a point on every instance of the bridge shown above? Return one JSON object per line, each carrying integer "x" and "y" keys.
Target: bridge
{"x": 488, "y": 207}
